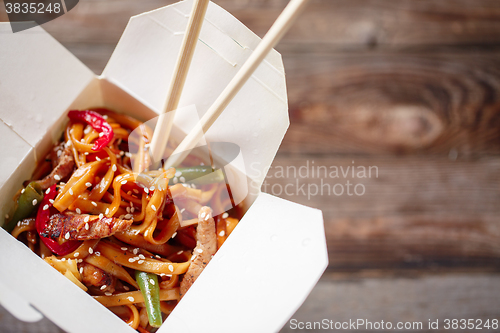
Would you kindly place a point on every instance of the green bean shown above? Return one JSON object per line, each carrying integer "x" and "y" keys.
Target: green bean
{"x": 27, "y": 203}
{"x": 200, "y": 175}
{"x": 148, "y": 283}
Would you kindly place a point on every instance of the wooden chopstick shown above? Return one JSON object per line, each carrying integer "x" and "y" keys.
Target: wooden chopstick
{"x": 166, "y": 118}
{"x": 273, "y": 36}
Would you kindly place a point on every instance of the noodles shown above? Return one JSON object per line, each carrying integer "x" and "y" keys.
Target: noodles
{"x": 102, "y": 222}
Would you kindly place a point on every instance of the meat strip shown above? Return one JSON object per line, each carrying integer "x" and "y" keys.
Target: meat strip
{"x": 62, "y": 163}
{"x": 206, "y": 245}
{"x": 83, "y": 227}
{"x": 93, "y": 276}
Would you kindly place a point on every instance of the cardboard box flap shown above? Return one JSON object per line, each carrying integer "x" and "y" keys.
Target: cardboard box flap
{"x": 256, "y": 120}
{"x": 53, "y": 293}
{"x": 261, "y": 275}
{"x": 39, "y": 80}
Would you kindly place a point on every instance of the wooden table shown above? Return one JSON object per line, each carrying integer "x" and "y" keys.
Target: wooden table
{"x": 410, "y": 88}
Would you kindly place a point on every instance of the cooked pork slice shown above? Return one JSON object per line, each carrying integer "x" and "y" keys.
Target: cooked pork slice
{"x": 62, "y": 163}
{"x": 93, "y": 276}
{"x": 206, "y": 245}
{"x": 83, "y": 227}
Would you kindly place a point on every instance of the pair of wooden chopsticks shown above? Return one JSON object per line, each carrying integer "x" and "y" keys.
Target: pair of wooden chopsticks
{"x": 165, "y": 121}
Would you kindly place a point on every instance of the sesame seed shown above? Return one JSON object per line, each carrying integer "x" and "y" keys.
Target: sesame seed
{"x": 101, "y": 216}
{"x": 114, "y": 168}
{"x": 193, "y": 185}
{"x": 127, "y": 209}
{"x": 70, "y": 191}
{"x": 124, "y": 248}
{"x": 207, "y": 217}
{"x": 193, "y": 257}
{"x": 123, "y": 182}
{"x": 34, "y": 202}
{"x": 136, "y": 191}
{"x": 57, "y": 177}
{"x": 67, "y": 235}
{"x": 86, "y": 153}
{"x": 182, "y": 179}
{"x": 86, "y": 219}
{"x": 136, "y": 250}
{"x": 107, "y": 211}
{"x": 63, "y": 259}
{"x": 222, "y": 233}
{"x": 157, "y": 256}
{"x": 101, "y": 134}
{"x": 91, "y": 250}
{"x": 225, "y": 215}
{"x": 180, "y": 252}
{"x": 152, "y": 188}
{"x": 153, "y": 207}
{"x": 199, "y": 250}
{"x": 86, "y": 226}
{"x": 183, "y": 210}
{"x": 45, "y": 207}
{"x": 81, "y": 270}
{"x": 130, "y": 298}
{"x": 131, "y": 259}
{"x": 88, "y": 184}
{"x": 107, "y": 293}
{"x": 122, "y": 153}
{"x": 142, "y": 256}
{"x": 78, "y": 211}
{"x": 98, "y": 253}
{"x": 48, "y": 191}
{"x": 128, "y": 154}
{"x": 103, "y": 287}
{"x": 152, "y": 281}
{"x": 59, "y": 153}
{"x": 202, "y": 215}
{"x": 175, "y": 234}
{"x": 128, "y": 216}
{"x": 132, "y": 209}
{"x": 140, "y": 262}
{"x": 178, "y": 173}
{"x": 51, "y": 201}
{"x": 176, "y": 180}
{"x": 97, "y": 158}
{"x": 126, "y": 288}
{"x": 146, "y": 190}
{"x": 94, "y": 204}
{"x": 79, "y": 260}
{"x": 76, "y": 254}
{"x": 171, "y": 268}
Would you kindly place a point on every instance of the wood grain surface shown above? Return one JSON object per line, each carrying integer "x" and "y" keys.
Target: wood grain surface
{"x": 411, "y": 87}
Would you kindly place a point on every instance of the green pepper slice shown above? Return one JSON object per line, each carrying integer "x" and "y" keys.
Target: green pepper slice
{"x": 27, "y": 203}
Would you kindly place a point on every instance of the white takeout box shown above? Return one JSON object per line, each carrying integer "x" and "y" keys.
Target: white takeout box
{"x": 277, "y": 253}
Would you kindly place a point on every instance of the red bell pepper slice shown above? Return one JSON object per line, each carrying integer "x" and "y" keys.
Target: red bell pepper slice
{"x": 98, "y": 123}
{"x": 42, "y": 218}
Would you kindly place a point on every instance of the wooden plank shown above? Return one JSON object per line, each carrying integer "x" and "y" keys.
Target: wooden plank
{"x": 340, "y": 23}
{"x": 416, "y": 213}
{"x": 394, "y": 102}
{"x": 394, "y": 300}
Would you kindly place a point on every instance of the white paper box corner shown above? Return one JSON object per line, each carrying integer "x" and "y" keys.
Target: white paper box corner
{"x": 278, "y": 246}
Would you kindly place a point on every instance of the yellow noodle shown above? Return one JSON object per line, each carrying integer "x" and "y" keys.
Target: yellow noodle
{"x": 107, "y": 265}
{"x": 128, "y": 259}
{"x": 133, "y": 297}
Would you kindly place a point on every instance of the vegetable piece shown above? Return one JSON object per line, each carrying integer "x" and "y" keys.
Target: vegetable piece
{"x": 200, "y": 174}
{"x": 148, "y": 283}
{"x": 27, "y": 202}
{"x": 98, "y": 123}
{"x": 42, "y": 218}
